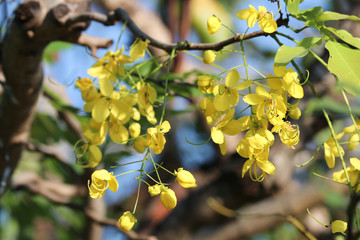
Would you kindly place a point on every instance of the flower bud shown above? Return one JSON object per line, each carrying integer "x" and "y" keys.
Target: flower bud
{"x": 168, "y": 198}
{"x": 185, "y": 178}
{"x": 154, "y": 190}
{"x": 209, "y": 56}
{"x": 127, "y": 221}
{"x": 295, "y": 113}
{"x": 213, "y": 24}
{"x": 338, "y": 226}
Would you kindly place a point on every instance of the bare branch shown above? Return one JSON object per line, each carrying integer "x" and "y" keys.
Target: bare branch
{"x": 122, "y": 16}
{"x": 57, "y": 192}
{"x": 110, "y": 222}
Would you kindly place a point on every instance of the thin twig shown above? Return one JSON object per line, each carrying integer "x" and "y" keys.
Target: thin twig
{"x": 122, "y": 16}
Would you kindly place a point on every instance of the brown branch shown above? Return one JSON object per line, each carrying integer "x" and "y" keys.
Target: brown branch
{"x": 60, "y": 193}
{"x": 111, "y": 222}
{"x": 36, "y": 23}
{"x": 57, "y": 192}
{"x": 122, "y": 16}
{"x": 72, "y": 123}
{"x": 93, "y": 42}
{"x": 264, "y": 215}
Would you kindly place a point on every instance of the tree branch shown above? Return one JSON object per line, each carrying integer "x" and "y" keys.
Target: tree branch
{"x": 122, "y": 16}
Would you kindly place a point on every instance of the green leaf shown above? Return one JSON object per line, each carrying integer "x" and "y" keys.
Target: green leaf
{"x": 45, "y": 129}
{"x": 310, "y": 14}
{"x": 328, "y": 104}
{"x": 186, "y": 90}
{"x": 293, "y": 6}
{"x": 334, "y": 16}
{"x": 285, "y": 54}
{"x": 345, "y": 36}
{"x": 344, "y": 63}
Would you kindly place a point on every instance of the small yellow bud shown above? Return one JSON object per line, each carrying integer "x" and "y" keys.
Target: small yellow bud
{"x": 213, "y": 24}
{"x": 295, "y": 113}
{"x": 127, "y": 221}
{"x": 140, "y": 144}
{"x": 209, "y": 56}
{"x": 168, "y": 198}
{"x": 185, "y": 178}
{"x": 154, "y": 190}
{"x": 338, "y": 226}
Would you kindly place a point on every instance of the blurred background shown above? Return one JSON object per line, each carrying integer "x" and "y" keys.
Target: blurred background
{"x": 262, "y": 207}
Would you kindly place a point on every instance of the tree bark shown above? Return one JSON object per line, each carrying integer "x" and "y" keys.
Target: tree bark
{"x": 36, "y": 24}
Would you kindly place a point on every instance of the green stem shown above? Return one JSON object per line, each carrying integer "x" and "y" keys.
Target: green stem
{"x": 333, "y": 134}
{"x": 140, "y": 175}
{"x": 350, "y": 112}
{"x": 157, "y": 173}
{"x": 121, "y": 33}
{"x": 172, "y": 56}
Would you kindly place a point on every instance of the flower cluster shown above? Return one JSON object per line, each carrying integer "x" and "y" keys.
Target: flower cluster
{"x": 167, "y": 195}
{"x": 333, "y": 149}
{"x": 116, "y": 110}
{"x": 264, "y": 18}
{"x": 101, "y": 180}
{"x": 269, "y": 108}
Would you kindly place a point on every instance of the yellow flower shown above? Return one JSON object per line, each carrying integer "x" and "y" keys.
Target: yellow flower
{"x": 88, "y": 91}
{"x": 294, "y": 111}
{"x": 140, "y": 144}
{"x": 209, "y": 56}
{"x": 154, "y": 190}
{"x": 262, "y": 16}
{"x": 185, "y": 178}
{"x": 145, "y": 99}
{"x": 227, "y": 95}
{"x": 255, "y": 146}
{"x": 138, "y": 50}
{"x": 98, "y": 137}
{"x": 289, "y": 134}
{"x": 338, "y": 226}
{"x": 229, "y": 126}
{"x": 168, "y": 198}
{"x": 354, "y": 139}
{"x": 155, "y": 137}
{"x": 270, "y": 104}
{"x": 267, "y": 23}
{"x": 292, "y": 84}
{"x": 207, "y": 106}
{"x": 353, "y": 172}
{"x": 107, "y": 70}
{"x": 87, "y": 153}
{"x": 250, "y": 14}
{"x": 213, "y": 24}
{"x": 205, "y": 83}
{"x": 117, "y": 132}
{"x": 330, "y": 150}
{"x": 100, "y": 181}
{"x": 113, "y": 106}
{"x": 289, "y": 81}
{"x": 127, "y": 221}
{"x": 135, "y": 129}
{"x": 89, "y": 156}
